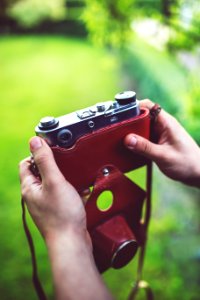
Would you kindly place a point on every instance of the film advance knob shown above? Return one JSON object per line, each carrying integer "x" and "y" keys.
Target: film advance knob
{"x": 48, "y": 123}
{"x": 126, "y": 97}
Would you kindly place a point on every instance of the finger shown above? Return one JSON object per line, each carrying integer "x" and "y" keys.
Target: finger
{"x": 24, "y": 169}
{"x": 163, "y": 119}
{"x": 146, "y": 103}
{"x": 27, "y": 178}
{"x": 43, "y": 158}
{"x": 143, "y": 146}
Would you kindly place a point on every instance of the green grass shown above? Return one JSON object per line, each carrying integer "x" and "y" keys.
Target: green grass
{"x": 39, "y": 76}
{"x": 52, "y": 76}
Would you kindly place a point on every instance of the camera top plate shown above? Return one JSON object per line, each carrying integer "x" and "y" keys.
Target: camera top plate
{"x": 65, "y": 130}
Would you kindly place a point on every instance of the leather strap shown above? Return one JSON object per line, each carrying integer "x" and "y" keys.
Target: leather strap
{"x": 141, "y": 284}
{"x": 35, "y": 278}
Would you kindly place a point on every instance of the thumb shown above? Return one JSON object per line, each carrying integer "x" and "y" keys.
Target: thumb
{"x": 142, "y": 146}
{"x": 44, "y": 160}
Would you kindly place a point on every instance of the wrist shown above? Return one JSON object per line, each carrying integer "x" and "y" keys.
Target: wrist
{"x": 72, "y": 237}
{"x": 71, "y": 257}
{"x": 193, "y": 178}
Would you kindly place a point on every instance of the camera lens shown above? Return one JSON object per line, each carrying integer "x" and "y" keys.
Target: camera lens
{"x": 124, "y": 254}
{"x": 64, "y": 136}
{"x": 126, "y": 97}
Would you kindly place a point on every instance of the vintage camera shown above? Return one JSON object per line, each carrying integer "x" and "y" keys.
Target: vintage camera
{"x": 64, "y": 131}
{"x": 89, "y": 150}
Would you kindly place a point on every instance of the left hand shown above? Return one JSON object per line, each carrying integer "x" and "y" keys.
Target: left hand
{"x": 59, "y": 213}
{"x": 53, "y": 203}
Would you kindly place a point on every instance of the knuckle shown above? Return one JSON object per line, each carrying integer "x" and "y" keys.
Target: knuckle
{"x": 21, "y": 164}
{"x": 146, "y": 147}
{"x": 146, "y": 103}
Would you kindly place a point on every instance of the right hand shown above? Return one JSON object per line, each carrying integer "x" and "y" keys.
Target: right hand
{"x": 176, "y": 154}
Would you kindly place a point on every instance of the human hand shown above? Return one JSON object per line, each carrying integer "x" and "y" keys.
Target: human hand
{"x": 53, "y": 203}
{"x": 176, "y": 154}
{"x": 59, "y": 214}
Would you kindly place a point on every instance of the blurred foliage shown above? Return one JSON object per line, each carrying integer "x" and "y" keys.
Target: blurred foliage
{"x": 185, "y": 26}
{"x": 4, "y": 5}
{"x": 149, "y": 70}
{"x": 192, "y": 113}
{"x": 109, "y": 21}
{"x": 31, "y": 12}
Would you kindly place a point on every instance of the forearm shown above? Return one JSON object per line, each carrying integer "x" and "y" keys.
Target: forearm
{"x": 74, "y": 272}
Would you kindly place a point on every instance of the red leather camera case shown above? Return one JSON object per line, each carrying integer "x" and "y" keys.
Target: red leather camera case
{"x": 117, "y": 232}
{"x": 80, "y": 164}
{"x": 118, "y": 225}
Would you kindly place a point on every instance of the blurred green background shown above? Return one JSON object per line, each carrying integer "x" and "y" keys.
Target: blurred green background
{"x": 57, "y": 56}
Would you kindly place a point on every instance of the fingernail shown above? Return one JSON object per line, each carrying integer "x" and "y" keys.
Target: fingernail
{"x": 35, "y": 143}
{"x": 132, "y": 143}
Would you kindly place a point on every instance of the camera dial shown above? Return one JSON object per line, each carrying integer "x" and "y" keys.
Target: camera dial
{"x": 101, "y": 107}
{"x": 64, "y": 136}
{"x": 126, "y": 97}
{"x": 48, "y": 123}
